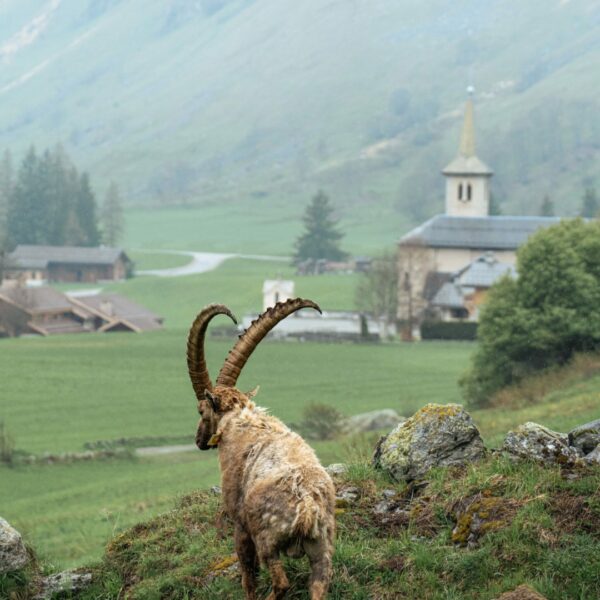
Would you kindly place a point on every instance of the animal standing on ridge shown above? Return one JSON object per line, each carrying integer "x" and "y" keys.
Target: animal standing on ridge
{"x": 279, "y": 497}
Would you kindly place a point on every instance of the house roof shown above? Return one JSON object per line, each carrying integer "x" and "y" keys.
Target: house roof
{"x": 478, "y": 233}
{"x": 36, "y": 300}
{"x": 117, "y": 309}
{"x": 450, "y": 295}
{"x": 484, "y": 272}
{"x": 39, "y": 257}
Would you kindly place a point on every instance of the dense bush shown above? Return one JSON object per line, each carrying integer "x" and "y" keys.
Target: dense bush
{"x": 448, "y": 330}
{"x": 320, "y": 422}
{"x": 541, "y": 319}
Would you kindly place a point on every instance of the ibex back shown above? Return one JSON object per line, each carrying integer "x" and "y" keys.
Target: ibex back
{"x": 276, "y": 492}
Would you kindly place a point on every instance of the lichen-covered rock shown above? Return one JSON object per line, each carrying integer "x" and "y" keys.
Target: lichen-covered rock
{"x": 593, "y": 457}
{"x": 13, "y": 554}
{"x": 436, "y": 435}
{"x": 337, "y": 469}
{"x": 535, "y": 442}
{"x": 373, "y": 421}
{"x": 66, "y": 583}
{"x": 585, "y": 437}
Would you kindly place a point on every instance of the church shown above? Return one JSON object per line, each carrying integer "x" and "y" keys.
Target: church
{"x": 446, "y": 264}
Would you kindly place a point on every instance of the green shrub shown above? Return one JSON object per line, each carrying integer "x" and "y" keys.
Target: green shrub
{"x": 448, "y": 330}
{"x": 320, "y": 422}
{"x": 545, "y": 316}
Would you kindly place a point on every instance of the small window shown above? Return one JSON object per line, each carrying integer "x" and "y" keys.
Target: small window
{"x": 469, "y": 191}
{"x": 460, "y": 191}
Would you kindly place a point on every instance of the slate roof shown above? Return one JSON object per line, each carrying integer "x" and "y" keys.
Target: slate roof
{"x": 478, "y": 233}
{"x": 467, "y": 165}
{"x": 484, "y": 272}
{"x": 36, "y": 300}
{"x": 39, "y": 257}
{"x": 117, "y": 309}
{"x": 449, "y": 295}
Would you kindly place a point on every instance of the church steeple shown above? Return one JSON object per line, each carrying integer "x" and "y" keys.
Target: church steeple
{"x": 467, "y": 177}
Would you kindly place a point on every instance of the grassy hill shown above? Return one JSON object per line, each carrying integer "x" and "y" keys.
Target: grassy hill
{"x": 254, "y": 104}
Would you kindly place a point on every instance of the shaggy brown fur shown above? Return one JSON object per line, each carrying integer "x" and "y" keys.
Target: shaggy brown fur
{"x": 274, "y": 489}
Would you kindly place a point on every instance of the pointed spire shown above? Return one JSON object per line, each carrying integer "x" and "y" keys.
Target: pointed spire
{"x": 467, "y": 138}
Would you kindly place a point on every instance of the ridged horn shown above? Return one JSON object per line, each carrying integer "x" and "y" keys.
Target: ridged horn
{"x": 246, "y": 344}
{"x": 195, "y": 347}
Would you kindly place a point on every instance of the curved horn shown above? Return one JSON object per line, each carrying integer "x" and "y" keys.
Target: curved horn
{"x": 195, "y": 347}
{"x": 240, "y": 353}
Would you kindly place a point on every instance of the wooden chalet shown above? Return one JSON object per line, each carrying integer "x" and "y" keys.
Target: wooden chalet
{"x": 68, "y": 264}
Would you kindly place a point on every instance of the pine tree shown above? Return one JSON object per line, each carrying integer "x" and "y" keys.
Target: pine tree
{"x": 6, "y": 183}
{"x": 27, "y": 210}
{"x": 321, "y": 237}
{"x": 547, "y": 208}
{"x": 85, "y": 211}
{"x": 495, "y": 206}
{"x": 112, "y": 216}
{"x": 589, "y": 207}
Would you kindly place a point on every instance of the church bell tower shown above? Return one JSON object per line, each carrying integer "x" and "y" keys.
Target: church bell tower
{"x": 467, "y": 177}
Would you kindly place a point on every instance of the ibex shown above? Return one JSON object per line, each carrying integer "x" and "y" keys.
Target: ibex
{"x": 275, "y": 491}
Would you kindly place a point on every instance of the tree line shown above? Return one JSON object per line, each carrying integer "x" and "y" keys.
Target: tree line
{"x": 47, "y": 201}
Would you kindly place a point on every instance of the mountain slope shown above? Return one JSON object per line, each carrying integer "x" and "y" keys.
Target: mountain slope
{"x": 234, "y": 100}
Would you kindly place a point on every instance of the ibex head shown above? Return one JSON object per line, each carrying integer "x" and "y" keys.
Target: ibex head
{"x": 214, "y": 402}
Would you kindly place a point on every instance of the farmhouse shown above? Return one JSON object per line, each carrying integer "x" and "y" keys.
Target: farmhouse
{"x": 436, "y": 257}
{"x": 68, "y": 264}
{"x": 45, "y": 311}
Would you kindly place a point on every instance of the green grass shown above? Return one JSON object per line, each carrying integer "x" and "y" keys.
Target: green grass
{"x": 156, "y": 260}
{"x": 530, "y": 540}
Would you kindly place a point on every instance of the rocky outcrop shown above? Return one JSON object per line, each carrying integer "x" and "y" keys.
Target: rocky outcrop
{"x": 593, "y": 458}
{"x": 373, "y": 421}
{"x": 532, "y": 441}
{"x": 585, "y": 437}
{"x": 13, "y": 554}
{"x": 66, "y": 583}
{"x": 435, "y": 436}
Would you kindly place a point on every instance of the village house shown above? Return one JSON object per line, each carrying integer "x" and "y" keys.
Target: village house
{"x": 71, "y": 264}
{"x": 435, "y": 258}
{"x": 45, "y": 311}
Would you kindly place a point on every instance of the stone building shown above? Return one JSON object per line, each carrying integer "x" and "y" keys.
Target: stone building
{"x": 433, "y": 253}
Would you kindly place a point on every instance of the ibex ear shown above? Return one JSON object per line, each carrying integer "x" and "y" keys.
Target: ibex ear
{"x": 253, "y": 392}
{"x": 212, "y": 400}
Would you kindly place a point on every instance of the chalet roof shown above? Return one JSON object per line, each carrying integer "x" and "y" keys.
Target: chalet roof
{"x": 450, "y": 295}
{"x": 118, "y": 309}
{"x": 477, "y": 233}
{"x": 484, "y": 271}
{"x": 39, "y": 257}
{"x": 36, "y": 300}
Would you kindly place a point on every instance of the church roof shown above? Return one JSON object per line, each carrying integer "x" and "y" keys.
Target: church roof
{"x": 477, "y": 233}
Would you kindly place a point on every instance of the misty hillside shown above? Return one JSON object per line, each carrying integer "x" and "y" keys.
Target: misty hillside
{"x": 199, "y": 101}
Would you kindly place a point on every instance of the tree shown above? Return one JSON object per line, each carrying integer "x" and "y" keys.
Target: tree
{"x": 545, "y": 316}
{"x": 321, "y": 237}
{"x": 85, "y": 210}
{"x": 112, "y": 216}
{"x": 377, "y": 292}
{"x": 589, "y": 206}
{"x": 6, "y": 184}
{"x": 547, "y": 207}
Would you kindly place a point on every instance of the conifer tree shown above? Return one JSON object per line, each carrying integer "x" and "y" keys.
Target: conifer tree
{"x": 321, "y": 236}
{"x": 112, "y": 216}
{"x": 547, "y": 208}
{"x": 85, "y": 211}
{"x": 495, "y": 206}
{"x": 590, "y": 207}
{"x": 6, "y": 183}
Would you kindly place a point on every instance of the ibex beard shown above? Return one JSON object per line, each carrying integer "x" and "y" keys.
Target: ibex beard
{"x": 279, "y": 497}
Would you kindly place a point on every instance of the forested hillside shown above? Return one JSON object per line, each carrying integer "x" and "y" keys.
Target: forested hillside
{"x": 252, "y": 101}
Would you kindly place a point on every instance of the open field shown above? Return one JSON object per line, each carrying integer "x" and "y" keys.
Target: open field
{"x": 156, "y": 260}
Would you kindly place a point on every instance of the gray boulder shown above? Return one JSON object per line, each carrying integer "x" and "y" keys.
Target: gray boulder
{"x": 13, "y": 554}
{"x": 535, "y": 442}
{"x": 435, "y": 436}
{"x": 336, "y": 469}
{"x": 67, "y": 582}
{"x": 373, "y": 421}
{"x": 585, "y": 437}
{"x": 593, "y": 457}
